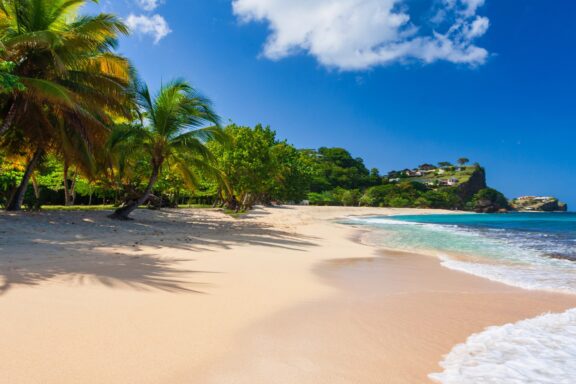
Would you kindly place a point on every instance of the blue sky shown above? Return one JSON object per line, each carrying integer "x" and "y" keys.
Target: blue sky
{"x": 397, "y": 82}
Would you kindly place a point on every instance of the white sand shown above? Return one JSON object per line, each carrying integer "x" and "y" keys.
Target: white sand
{"x": 194, "y": 296}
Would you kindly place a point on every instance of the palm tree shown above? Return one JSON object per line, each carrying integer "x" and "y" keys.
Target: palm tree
{"x": 171, "y": 131}
{"x": 71, "y": 81}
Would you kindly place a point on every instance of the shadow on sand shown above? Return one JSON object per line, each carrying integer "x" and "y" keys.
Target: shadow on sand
{"x": 86, "y": 247}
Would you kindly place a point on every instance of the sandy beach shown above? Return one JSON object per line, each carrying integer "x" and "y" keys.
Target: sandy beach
{"x": 282, "y": 295}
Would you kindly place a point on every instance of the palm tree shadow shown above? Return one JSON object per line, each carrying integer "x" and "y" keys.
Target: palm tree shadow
{"x": 81, "y": 248}
{"x": 143, "y": 272}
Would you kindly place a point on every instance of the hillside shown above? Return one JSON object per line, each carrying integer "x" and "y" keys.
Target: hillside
{"x": 467, "y": 179}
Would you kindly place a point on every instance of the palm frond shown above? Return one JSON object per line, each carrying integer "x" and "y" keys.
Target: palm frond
{"x": 48, "y": 91}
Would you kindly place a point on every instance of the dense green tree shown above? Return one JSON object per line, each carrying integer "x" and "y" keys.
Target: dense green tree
{"x": 261, "y": 169}
{"x": 247, "y": 163}
{"x": 337, "y": 168}
{"x": 446, "y": 198}
{"x": 403, "y": 194}
{"x": 293, "y": 173}
{"x": 488, "y": 200}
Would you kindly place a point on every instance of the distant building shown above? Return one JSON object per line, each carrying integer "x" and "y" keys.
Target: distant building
{"x": 411, "y": 173}
{"x": 449, "y": 182}
{"x": 535, "y": 198}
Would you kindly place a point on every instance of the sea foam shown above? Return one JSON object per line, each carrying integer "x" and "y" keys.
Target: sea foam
{"x": 539, "y": 350}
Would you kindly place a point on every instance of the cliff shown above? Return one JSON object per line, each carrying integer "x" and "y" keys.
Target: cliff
{"x": 473, "y": 185}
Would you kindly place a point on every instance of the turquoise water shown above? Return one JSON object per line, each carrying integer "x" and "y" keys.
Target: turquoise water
{"x": 529, "y": 250}
{"x": 550, "y": 223}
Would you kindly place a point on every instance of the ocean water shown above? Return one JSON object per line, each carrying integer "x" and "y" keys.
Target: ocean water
{"x": 527, "y": 250}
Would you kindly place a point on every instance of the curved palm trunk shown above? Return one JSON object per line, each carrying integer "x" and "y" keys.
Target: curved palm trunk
{"x": 9, "y": 119}
{"x": 124, "y": 212}
{"x": 17, "y": 198}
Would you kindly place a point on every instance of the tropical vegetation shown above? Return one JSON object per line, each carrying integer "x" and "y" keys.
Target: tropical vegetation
{"x": 78, "y": 127}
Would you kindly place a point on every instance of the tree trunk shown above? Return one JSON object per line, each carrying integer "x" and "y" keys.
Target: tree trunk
{"x": 124, "y": 212}
{"x": 9, "y": 119}
{"x": 66, "y": 186}
{"x": 36, "y": 193}
{"x": 17, "y": 198}
{"x": 218, "y": 198}
{"x": 72, "y": 190}
{"x": 90, "y": 195}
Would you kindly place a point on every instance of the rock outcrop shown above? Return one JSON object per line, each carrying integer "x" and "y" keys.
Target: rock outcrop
{"x": 538, "y": 204}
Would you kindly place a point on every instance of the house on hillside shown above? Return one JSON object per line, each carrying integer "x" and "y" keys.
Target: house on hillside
{"x": 449, "y": 182}
{"x": 411, "y": 173}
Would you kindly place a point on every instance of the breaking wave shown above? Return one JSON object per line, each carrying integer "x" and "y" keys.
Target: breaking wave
{"x": 540, "y": 350}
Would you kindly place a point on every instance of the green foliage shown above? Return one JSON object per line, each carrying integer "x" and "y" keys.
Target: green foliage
{"x": 8, "y": 81}
{"x": 66, "y": 96}
{"x": 50, "y": 174}
{"x": 441, "y": 198}
{"x": 294, "y": 172}
{"x": 10, "y": 176}
{"x": 170, "y": 142}
{"x": 488, "y": 200}
{"x": 337, "y": 168}
{"x": 410, "y": 194}
{"x": 261, "y": 169}
{"x": 247, "y": 162}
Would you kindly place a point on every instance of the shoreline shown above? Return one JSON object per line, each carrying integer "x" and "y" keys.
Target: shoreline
{"x": 283, "y": 295}
{"x": 401, "y": 329}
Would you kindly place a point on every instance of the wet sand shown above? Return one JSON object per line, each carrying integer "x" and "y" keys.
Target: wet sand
{"x": 395, "y": 316}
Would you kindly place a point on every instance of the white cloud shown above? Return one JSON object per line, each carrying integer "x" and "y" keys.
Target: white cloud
{"x": 154, "y": 25}
{"x": 477, "y": 28}
{"x": 359, "y": 34}
{"x": 149, "y": 5}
